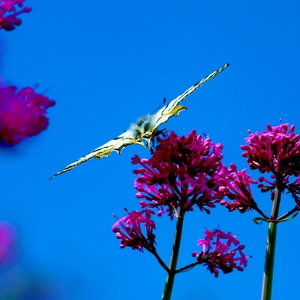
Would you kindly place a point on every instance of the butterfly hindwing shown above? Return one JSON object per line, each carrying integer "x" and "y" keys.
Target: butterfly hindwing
{"x": 116, "y": 144}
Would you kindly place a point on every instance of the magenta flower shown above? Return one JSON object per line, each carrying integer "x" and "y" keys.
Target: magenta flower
{"x": 22, "y": 114}
{"x": 7, "y": 239}
{"x": 221, "y": 251}
{"x": 276, "y": 150}
{"x": 236, "y": 186}
{"x": 9, "y": 13}
{"x": 182, "y": 172}
{"x": 130, "y": 230}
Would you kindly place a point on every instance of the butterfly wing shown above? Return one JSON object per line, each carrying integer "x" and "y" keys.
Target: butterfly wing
{"x": 173, "y": 109}
{"x": 129, "y": 137}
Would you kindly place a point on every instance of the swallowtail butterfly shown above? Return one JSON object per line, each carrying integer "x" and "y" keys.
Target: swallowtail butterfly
{"x": 144, "y": 129}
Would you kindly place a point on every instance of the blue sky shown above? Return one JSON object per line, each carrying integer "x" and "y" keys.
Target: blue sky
{"x": 108, "y": 62}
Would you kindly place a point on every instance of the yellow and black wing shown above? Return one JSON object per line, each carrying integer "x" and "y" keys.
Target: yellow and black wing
{"x": 129, "y": 137}
{"x": 173, "y": 108}
{"x": 144, "y": 129}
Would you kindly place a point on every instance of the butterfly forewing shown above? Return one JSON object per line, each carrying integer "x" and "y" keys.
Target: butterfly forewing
{"x": 172, "y": 109}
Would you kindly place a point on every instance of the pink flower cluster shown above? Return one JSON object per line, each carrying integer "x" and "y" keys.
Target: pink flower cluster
{"x": 276, "y": 150}
{"x": 22, "y": 114}
{"x": 183, "y": 172}
{"x": 221, "y": 251}
{"x": 130, "y": 229}
{"x": 9, "y": 14}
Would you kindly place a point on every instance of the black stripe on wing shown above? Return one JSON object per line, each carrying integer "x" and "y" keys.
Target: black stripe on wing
{"x": 116, "y": 144}
{"x": 169, "y": 110}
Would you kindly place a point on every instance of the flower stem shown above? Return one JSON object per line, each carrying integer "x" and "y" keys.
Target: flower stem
{"x": 174, "y": 258}
{"x": 270, "y": 251}
{"x": 294, "y": 210}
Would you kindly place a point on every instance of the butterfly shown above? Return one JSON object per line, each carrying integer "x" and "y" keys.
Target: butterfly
{"x": 144, "y": 130}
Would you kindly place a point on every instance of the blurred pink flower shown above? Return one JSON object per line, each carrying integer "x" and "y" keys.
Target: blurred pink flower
{"x": 183, "y": 172}
{"x": 7, "y": 239}
{"x": 9, "y": 13}
{"x": 221, "y": 251}
{"x": 130, "y": 230}
{"x": 22, "y": 114}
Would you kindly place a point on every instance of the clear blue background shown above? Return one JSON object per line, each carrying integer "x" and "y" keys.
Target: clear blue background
{"x": 106, "y": 63}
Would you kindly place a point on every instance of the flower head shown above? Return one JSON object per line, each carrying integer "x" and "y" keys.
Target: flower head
{"x": 9, "y": 13}
{"x": 182, "y": 172}
{"x": 130, "y": 230}
{"x": 276, "y": 150}
{"x": 22, "y": 114}
{"x": 221, "y": 251}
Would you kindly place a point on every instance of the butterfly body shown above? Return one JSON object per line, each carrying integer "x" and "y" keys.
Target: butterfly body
{"x": 145, "y": 128}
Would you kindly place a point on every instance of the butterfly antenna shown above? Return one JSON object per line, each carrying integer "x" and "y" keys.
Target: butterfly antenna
{"x": 164, "y": 101}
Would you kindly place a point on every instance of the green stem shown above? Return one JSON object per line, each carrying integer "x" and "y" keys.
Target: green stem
{"x": 173, "y": 262}
{"x": 161, "y": 262}
{"x": 295, "y": 209}
{"x": 270, "y": 251}
{"x": 260, "y": 212}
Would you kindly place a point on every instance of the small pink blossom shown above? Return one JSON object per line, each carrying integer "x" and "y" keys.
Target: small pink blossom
{"x": 183, "y": 172}
{"x": 221, "y": 251}
{"x": 130, "y": 229}
{"x": 22, "y": 114}
{"x": 9, "y": 13}
{"x": 294, "y": 189}
{"x": 236, "y": 186}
